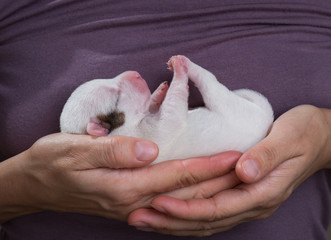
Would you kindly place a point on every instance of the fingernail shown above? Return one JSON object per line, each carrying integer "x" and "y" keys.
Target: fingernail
{"x": 145, "y": 151}
{"x": 158, "y": 208}
{"x": 251, "y": 168}
{"x": 142, "y": 226}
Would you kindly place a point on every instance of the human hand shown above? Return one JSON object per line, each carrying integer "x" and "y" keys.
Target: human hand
{"x": 297, "y": 146}
{"x": 100, "y": 176}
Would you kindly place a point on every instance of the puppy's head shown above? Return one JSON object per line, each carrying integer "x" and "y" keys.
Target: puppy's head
{"x": 99, "y": 106}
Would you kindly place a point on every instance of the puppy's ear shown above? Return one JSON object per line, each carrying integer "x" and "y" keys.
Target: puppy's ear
{"x": 96, "y": 127}
{"x": 102, "y": 125}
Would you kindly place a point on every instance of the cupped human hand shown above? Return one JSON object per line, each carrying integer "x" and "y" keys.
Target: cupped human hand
{"x": 105, "y": 176}
{"x": 297, "y": 146}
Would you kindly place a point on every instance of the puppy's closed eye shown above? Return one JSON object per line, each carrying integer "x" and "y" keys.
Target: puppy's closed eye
{"x": 112, "y": 120}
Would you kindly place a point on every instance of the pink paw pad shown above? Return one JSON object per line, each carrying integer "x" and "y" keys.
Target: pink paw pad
{"x": 178, "y": 64}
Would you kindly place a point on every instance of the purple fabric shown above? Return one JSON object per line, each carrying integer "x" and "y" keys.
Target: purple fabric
{"x": 48, "y": 48}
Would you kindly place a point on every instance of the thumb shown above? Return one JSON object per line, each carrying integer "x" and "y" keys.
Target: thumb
{"x": 122, "y": 152}
{"x": 264, "y": 157}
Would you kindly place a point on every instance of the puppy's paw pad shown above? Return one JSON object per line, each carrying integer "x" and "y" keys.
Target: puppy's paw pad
{"x": 178, "y": 64}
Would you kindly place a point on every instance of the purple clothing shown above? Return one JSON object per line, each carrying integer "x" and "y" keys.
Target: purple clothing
{"x": 47, "y": 48}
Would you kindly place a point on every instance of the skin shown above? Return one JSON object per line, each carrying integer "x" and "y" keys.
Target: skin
{"x": 298, "y": 145}
{"x": 101, "y": 176}
{"x": 186, "y": 194}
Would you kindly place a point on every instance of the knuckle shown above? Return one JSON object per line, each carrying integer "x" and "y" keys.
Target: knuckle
{"x": 215, "y": 215}
{"x": 268, "y": 157}
{"x": 201, "y": 194}
{"x": 105, "y": 205}
{"x": 187, "y": 178}
{"x": 204, "y": 226}
{"x": 109, "y": 148}
{"x": 277, "y": 198}
{"x": 126, "y": 202}
{"x": 270, "y": 200}
{"x": 116, "y": 210}
{"x": 221, "y": 215}
{"x": 265, "y": 203}
{"x": 118, "y": 200}
{"x": 113, "y": 151}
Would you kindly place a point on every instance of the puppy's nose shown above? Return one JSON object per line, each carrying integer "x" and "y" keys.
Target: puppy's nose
{"x": 131, "y": 75}
{"x": 134, "y": 79}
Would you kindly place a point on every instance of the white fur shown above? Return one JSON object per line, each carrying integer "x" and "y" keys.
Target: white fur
{"x": 230, "y": 120}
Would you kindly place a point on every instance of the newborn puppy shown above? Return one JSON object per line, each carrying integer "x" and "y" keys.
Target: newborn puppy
{"x": 230, "y": 120}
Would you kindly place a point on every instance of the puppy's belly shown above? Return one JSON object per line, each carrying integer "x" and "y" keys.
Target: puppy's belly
{"x": 208, "y": 133}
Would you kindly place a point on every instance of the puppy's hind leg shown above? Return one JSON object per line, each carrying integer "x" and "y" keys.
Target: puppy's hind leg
{"x": 214, "y": 94}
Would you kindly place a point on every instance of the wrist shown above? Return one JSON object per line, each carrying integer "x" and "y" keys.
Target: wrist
{"x": 14, "y": 189}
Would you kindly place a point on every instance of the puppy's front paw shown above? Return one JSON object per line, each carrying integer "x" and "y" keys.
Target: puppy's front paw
{"x": 158, "y": 96}
{"x": 178, "y": 64}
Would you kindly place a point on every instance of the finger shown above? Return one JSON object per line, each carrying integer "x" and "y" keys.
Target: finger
{"x": 267, "y": 155}
{"x": 114, "y": 152}
{"x": 152, "y": 220}
{"x": 223, "y": 205}
{"x": 171, "y": 175}
{"x": 207, "y": 188}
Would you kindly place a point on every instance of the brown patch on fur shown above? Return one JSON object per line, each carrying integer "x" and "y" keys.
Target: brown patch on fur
{"x": 113, "y": 120}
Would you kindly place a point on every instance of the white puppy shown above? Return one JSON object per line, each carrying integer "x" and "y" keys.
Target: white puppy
{"x": 230, "y": 120}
